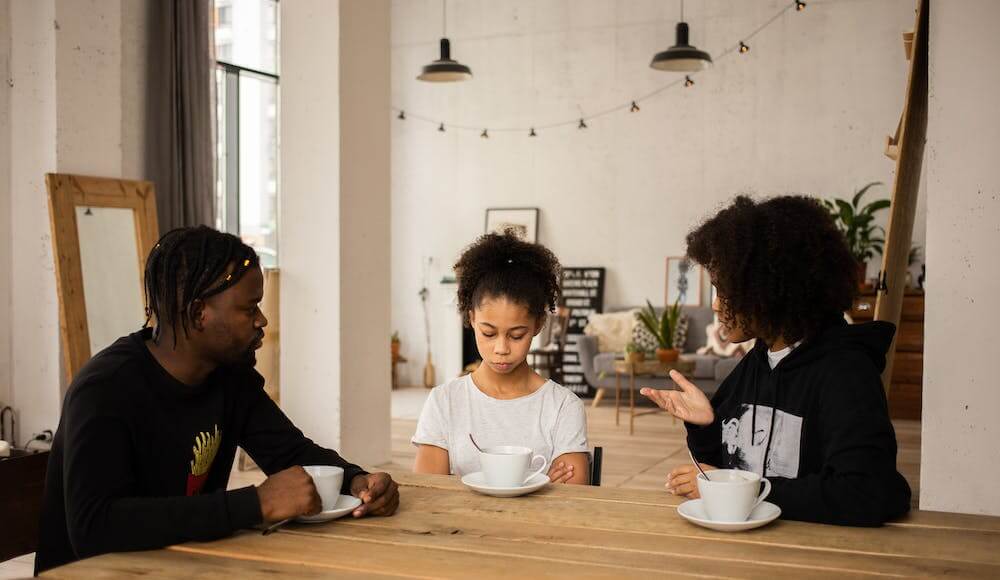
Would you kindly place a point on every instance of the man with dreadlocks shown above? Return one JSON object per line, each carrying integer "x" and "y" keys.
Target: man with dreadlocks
{"x": 150, "y": 425}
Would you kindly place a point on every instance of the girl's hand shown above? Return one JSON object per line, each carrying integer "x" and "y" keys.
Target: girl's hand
{"x": 561, "y": 472}
{"x": 688, "y": 404}
{"x": 682, "y": 481}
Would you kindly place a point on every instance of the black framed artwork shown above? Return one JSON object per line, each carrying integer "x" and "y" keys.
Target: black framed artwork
{"x": 522, "y": 220}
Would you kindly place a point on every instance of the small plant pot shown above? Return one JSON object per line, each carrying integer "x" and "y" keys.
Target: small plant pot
{"x": 635, "y": 357}
{"x": 667, "y": 355}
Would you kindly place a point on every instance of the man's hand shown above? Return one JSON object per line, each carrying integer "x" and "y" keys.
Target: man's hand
{"x": 688, "y": 404}
{"x": 683, "y": 480}
{"x": 378, "y": 492}
{"x": 288, "y": 494}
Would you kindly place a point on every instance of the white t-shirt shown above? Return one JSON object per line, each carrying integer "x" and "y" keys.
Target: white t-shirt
{"x": 551, "y": 421}
{"x": 775, "y": 357}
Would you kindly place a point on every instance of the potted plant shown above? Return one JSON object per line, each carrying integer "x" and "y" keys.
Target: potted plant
{"x": 864, "y": 238}
{"x": 634, "y": 353}
{"x": 394, "y": 345}
{"x": 662, "y": 328}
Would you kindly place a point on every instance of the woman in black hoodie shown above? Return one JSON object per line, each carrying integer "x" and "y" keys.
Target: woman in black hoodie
{"x": 805, "y": 408}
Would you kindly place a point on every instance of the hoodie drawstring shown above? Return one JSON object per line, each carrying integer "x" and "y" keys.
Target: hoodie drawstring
{"x": 756, "y": 394}
{"x": 774, "y": 419}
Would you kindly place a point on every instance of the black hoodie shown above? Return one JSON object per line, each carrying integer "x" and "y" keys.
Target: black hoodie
{"x": 142, "y": 461}
{"x": 831, "y": 453}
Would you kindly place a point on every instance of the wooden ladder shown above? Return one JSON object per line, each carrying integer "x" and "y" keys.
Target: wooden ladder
{"x": 907, "y": 149}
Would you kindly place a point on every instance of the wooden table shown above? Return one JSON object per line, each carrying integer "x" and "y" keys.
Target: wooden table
{"x": 649, "y": 368}
{"x": 443, "y": 530}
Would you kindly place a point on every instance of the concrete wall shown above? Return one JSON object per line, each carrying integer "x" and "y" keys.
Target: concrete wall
{"x": 806, "y": 110}
{"x": 364, "y": 233}
{"x": 334, "y": 224}
{"x": 960, "y": 461}
{"x": 74, "y": 105}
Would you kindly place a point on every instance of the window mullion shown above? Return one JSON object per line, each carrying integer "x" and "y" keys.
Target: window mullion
{"x": 232, "y": 219}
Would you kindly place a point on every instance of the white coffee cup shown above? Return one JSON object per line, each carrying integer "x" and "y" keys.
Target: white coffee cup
{"x": 729, "y": 495}
{"x": 328, "y": 480}
{"x": 506, "y": 465}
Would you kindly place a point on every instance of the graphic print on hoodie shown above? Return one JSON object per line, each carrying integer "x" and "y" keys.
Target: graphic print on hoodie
{"x": 830, "y": 452}
{"x": 745, "y": 451}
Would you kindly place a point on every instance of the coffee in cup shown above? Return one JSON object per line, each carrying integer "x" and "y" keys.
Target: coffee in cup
{"x": 729, "y": 495}
{"x": 328, "y": 480}
{"x": 507, "y": 465}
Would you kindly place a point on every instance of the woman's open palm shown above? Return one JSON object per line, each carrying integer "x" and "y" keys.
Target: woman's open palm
{"x": 688, "y": 404}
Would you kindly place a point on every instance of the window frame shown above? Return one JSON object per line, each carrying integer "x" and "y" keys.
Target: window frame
{"x": 228, "y": 210}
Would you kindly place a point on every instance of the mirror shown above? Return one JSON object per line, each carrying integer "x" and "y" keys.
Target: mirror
{"x": 102, "y": 231}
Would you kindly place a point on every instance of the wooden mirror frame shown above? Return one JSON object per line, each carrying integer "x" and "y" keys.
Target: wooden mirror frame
{"x": 66, "y": 192}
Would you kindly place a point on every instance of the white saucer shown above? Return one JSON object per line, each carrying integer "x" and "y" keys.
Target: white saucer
{"x": 345, "y": 505}
{"x": 477, "y": 482}
{"x": 694, "y": 512}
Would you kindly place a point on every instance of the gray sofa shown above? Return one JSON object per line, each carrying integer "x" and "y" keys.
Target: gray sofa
{"x": 709, "y": 370}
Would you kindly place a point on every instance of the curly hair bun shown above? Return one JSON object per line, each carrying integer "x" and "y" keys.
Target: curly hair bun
{"x": 781, "y": 266}
{"x": 501, "y": 265}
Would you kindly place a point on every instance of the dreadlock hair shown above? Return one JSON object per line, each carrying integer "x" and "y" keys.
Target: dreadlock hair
{"x": 501, "y": 265}
{"x": 780, "y": 265}
{"x": 189, "y": 264}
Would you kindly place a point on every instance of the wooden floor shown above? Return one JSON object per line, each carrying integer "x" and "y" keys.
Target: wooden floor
{"x": 640, "y": 461}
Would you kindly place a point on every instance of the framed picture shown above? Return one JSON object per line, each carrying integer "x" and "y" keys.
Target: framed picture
{"x": 684, "y": 281}
{"x": 523, "y": 220}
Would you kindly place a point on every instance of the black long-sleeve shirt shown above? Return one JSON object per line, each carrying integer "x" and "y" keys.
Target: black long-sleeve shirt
{"x": 817, "y": 424}
{"x": 141, "y": 460}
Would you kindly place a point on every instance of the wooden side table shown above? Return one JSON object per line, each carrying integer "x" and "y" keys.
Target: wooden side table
{"x": 653, "y": 368}
{"x": 396, "y": 359}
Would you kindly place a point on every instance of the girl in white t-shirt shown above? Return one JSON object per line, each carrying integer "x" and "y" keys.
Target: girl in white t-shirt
{"x": 505, "y": 288}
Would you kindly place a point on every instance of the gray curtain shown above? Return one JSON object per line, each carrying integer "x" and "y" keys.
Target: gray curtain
{"x": 179, "y": 148}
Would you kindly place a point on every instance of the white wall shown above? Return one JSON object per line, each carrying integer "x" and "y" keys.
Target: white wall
{"x": 806, "y": 110}
{"x": 75, "y": 106}
{"x": 6, "y": 254}
{"x": 34, "y": 328}
{"x": 960, "y": 461}
{"x": 334, "y": 224}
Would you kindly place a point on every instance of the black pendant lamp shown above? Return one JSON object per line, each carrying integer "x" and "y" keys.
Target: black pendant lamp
{"x": 681, "y": 57}
{"x": 444, "y": 69}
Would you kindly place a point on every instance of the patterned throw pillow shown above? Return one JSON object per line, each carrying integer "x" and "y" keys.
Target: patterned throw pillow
{"x": 645, "y": 340}
{"x": 642, "y": 337}
{"x": 681, "y": 332}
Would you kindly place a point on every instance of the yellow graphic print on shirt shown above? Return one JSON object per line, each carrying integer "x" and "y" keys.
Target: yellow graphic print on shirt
{"x": 206, "y": 445}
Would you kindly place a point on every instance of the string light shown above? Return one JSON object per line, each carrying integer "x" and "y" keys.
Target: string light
{"x": 633, "y": 106}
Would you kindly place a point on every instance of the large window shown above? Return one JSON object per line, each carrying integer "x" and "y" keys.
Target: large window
{"x": 246, "y": 187}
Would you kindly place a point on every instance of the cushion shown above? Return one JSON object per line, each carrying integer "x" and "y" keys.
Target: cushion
{"x": 681, "y": 332}
{"x": 613, "y": 331}
{"x": 718, "y": 344}
{"x": 643, "y": 338}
